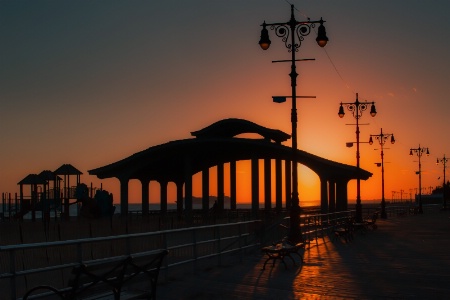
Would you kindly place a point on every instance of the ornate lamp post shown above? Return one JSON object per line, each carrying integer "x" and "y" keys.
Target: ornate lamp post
{"x": 382, "y": 137}
{"x": 419, "y": 151}
{"x": 357, "y": 109}
{"x": 289, "y": 32}
{"x": 444, "y": 162}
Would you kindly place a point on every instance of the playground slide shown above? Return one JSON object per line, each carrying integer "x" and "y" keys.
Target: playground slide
{"x": 22, "y": 213}
{"x": 26, "y": 208}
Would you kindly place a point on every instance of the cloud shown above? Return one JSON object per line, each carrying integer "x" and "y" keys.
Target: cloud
{"x": 391, "y": 94}
{"x": 414, "y": 90}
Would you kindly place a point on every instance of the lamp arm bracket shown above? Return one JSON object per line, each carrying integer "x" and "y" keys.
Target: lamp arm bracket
{"x": 290, "y": 60}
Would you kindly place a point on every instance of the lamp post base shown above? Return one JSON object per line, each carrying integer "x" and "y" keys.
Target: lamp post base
{"x": 358, "y": 211}
{"x": 295, "y": 234}
{"x": 383, "y": 209}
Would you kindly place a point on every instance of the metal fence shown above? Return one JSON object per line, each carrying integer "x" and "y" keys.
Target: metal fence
{"x": 27, "y": 265}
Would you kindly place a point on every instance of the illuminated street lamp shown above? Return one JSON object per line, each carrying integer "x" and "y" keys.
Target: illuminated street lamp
{"x": 444, "y": 162}
{"x": 289, "y": 32}
{"x": 419, "y": 151}
{"x": 382, "y": 137}
{"x": 357, "y": 109}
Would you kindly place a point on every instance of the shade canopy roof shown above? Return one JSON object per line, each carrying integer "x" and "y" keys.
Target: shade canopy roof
{"x": 32, "y": 179}
{"x": 67, "y": 169}
{"x": 49, "y": 175}
{"x": 217, "y": 144}
{"x": 229, "y": 128}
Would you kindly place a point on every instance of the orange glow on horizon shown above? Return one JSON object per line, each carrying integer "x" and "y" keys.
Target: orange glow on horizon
{"x": 102, "y": 95}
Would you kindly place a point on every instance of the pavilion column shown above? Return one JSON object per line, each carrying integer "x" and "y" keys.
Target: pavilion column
{"x": 345, "y": 194}
{"x": 145, "y": 196}
{"x": 267, "y": 184}
{"x": 163, "y": 196}
{"x": 323, "y": 195}
{"x": 255, "y": 185}
{"x": 205, "y": 190}
{"x": 179, "y": 197}
{"x": 341, "y": 195}
{"x": 331, "y": 195}
{"x": 188, "y": 185}
{"x": 124, "y": 196}
{"x": 233, "y": 185}
{"x": 278, "y": 183}
{"x": 220, "y": 186}
{"x": 288, "y": 182}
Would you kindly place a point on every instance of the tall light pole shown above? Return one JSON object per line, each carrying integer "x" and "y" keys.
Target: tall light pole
{"x": 382, "y": 137}
{"x": 419, "y": 151}
{"x": 444, "y": 162}
{"x": 357, "y": 109}
{"x": 289, "y": 32}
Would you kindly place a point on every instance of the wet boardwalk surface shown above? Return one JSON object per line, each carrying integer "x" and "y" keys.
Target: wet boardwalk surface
{"x": 405, "y": 258}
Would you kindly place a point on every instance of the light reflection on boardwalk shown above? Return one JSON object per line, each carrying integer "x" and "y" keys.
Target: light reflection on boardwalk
{"x": 405, "y": 258}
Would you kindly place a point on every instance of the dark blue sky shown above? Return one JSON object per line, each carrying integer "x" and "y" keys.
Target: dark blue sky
{"x": 90, "y": 82}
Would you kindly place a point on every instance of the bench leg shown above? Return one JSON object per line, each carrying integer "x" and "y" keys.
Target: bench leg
{"x": 274, "y": 258}
{"x": 293, "y": 261}
{"x": 336, "y": 236}
{"x": 264, "y": 266}
{"x": 350, "y": 236}
{"x": 299, "y": 255}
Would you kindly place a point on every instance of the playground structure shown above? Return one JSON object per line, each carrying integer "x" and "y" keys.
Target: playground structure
{"x": 101, "y": 205}
{"x": 48, "y": 197}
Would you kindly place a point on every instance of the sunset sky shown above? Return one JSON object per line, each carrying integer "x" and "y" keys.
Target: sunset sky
{"x": 91, "y": 82}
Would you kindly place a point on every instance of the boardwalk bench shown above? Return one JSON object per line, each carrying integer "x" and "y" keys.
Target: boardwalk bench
{"x": 281, "y": 250}
{"x": 124, "y": 277}
{"x": 402, "y": 212}
{"x": 343, "y": 230}
{"x": 371, "y": 222}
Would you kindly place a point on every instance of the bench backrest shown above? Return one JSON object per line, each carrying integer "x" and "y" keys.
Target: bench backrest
{"x": 141, "y": 275}
{"x": 135, "y": 275}
{"x": 374, "y": 217}
{"x": 98, "y": 277}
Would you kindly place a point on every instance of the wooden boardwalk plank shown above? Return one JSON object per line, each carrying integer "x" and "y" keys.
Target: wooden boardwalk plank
{"x": 405, "y": 258}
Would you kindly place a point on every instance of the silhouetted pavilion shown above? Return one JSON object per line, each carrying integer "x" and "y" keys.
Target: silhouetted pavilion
{"x": 216, "y": 145}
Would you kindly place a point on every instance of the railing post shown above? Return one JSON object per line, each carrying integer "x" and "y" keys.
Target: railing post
{"x": 128, "y": 245}
{"x": 166, "y": 265}
{"x": 240, "y": 243}
{"x": 194, "y": 250}
{"x": 12, "y": 259}
{"x": 79, "y": 253}
{"x": 219, "y": 248}
{"x": 316, "y": 226}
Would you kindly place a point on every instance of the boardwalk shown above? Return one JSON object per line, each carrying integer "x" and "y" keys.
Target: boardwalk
{"x": 405, "y": 258}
